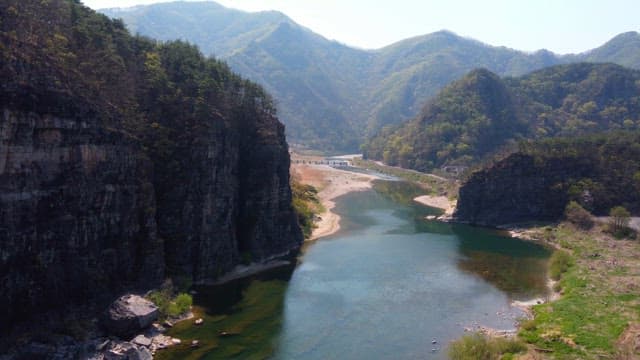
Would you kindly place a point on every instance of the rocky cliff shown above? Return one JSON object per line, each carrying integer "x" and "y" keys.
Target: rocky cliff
{"x": 536, "y": 183}
{"x": 123, "y": 161}
{"x": 514, "y": 190}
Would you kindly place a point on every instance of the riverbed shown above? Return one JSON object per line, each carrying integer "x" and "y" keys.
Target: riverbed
{"x": 389, "y": 285}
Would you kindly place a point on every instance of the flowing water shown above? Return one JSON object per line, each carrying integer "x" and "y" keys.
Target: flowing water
{"x": 385, "y": 287}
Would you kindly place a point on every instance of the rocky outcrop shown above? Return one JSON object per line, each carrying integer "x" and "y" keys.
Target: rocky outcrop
{"x": 119, "y": 169}
{"x": 517, "y": 189}
{"x": 77, "y": 212}
{"x": 536, "y": 183}
{"x": 129, "y": 315}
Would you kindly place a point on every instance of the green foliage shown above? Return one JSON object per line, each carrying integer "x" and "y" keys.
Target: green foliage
{"x": 480, "y": 347}
{"x": 331, "y": 96}
{"x": 481, "y": 115}
{"x": 559, "y": 263}
{"x": 577, "y": 215}
{"x": 168, "y": 302}
{"x": 619, "y": 222}
{"x": 306, "y": 205}
{"x": 596, "y": 171}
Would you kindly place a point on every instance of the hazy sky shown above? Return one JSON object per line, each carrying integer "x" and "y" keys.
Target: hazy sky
{"x": 562, "y": 26}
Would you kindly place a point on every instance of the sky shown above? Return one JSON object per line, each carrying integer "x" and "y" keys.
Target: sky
{"x": 562, "y": 26}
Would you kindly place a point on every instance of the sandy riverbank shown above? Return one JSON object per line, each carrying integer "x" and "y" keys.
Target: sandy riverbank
{"x": 331, "y": 184}
{"x": 439, "y": 202}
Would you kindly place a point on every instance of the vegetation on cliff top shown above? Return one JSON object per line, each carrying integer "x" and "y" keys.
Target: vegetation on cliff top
{"x": 481, "y": 114}
{"x": 611, "y": 163}
{"x": 537, "y": 182}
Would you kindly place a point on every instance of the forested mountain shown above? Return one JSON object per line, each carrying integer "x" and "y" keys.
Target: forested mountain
{"x": 536, "y": 182}
{"x": 331, "y": 96}
{"x": 123, "y": 161}
{"x": 623, "y": 49}
{"x": 480, "y": 113}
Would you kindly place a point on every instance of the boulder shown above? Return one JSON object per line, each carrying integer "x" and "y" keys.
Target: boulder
{"x": 129, "y": 315}
{"x": 128, "y": 351}
{"x": 142, "y": 341}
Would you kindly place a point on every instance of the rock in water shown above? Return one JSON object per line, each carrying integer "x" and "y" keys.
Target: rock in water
{"x": 130, "y": 314}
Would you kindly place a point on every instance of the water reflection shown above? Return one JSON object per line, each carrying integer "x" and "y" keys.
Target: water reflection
{"x": 242, "y": 319}
{"x": 516, "y": 267}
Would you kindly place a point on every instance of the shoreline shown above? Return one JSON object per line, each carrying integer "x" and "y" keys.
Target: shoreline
{"x": 439, "y": 202}
{"x": 331, "y": 183}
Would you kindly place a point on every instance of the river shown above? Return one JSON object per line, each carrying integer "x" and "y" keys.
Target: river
{"x": 386, "y": 286}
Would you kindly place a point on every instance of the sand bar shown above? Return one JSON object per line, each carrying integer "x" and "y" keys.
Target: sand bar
{"x": 331, "y": 183}
{"x": 439, "y": 202}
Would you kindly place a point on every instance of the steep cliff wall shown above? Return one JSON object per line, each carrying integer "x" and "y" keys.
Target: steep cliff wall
{"x": 536, "y": 183}
{"x": 123, "y": 161}
{"x": 76, "y": 212}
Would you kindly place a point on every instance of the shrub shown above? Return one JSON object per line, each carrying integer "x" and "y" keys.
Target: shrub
{"x": 577, "y": 215}
{"x": 559, "y": 264}
{"x": 183, "y": 302}
{"x": 168, "y": 305}
{"x": 479, "y": 347}
{"x": 619, "y": 223}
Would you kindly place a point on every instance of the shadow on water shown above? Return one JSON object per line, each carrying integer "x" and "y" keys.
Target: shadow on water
{"x": 242, "y": 319}
{"x": 514, "y": 266}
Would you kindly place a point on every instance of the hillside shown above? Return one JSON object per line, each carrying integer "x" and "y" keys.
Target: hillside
{"x": 331, "y": 96}
{"x": 623, "y": 49}
{"x": 536, "y": 183}
{"x": 124, "y": 161}
{"x": 481, "y": 113}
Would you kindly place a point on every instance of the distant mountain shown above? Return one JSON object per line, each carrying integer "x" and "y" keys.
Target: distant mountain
{"x": 480, "y": 113}
{"x": 329, "y": 95}
{"x": 623, "y": 49}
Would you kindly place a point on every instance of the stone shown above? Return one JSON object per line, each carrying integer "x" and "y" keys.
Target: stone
{"x": 142, "y": 341}
{"x": 128, "y": 351}
{"x": 130, "y": 314}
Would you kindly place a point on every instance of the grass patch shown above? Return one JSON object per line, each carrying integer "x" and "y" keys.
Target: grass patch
{"x": 479, "y": 347}
{"x": 587, "y": 321}
{"x": 559, "y": 264}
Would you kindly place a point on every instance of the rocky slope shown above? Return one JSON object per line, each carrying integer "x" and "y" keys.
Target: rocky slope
{"x": 123, "y": 161}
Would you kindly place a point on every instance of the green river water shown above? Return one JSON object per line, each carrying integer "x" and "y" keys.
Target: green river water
{"x": 384, "y": 287}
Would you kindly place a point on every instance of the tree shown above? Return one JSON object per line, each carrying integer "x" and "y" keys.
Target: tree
{"x": 577, "y": 215}
{"x": 619, "y": 219}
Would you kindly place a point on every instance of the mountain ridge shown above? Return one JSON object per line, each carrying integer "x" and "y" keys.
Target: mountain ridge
{"x": 337, "y": 95}
{"x": 481, "y": 113}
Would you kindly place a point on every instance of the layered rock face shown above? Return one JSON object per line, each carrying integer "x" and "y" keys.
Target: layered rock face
{"x": 119, "y": 169}
{"x": 76, "y": 212}
{"x": 234, "y": 204}
{"x": 517, "y": 189}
